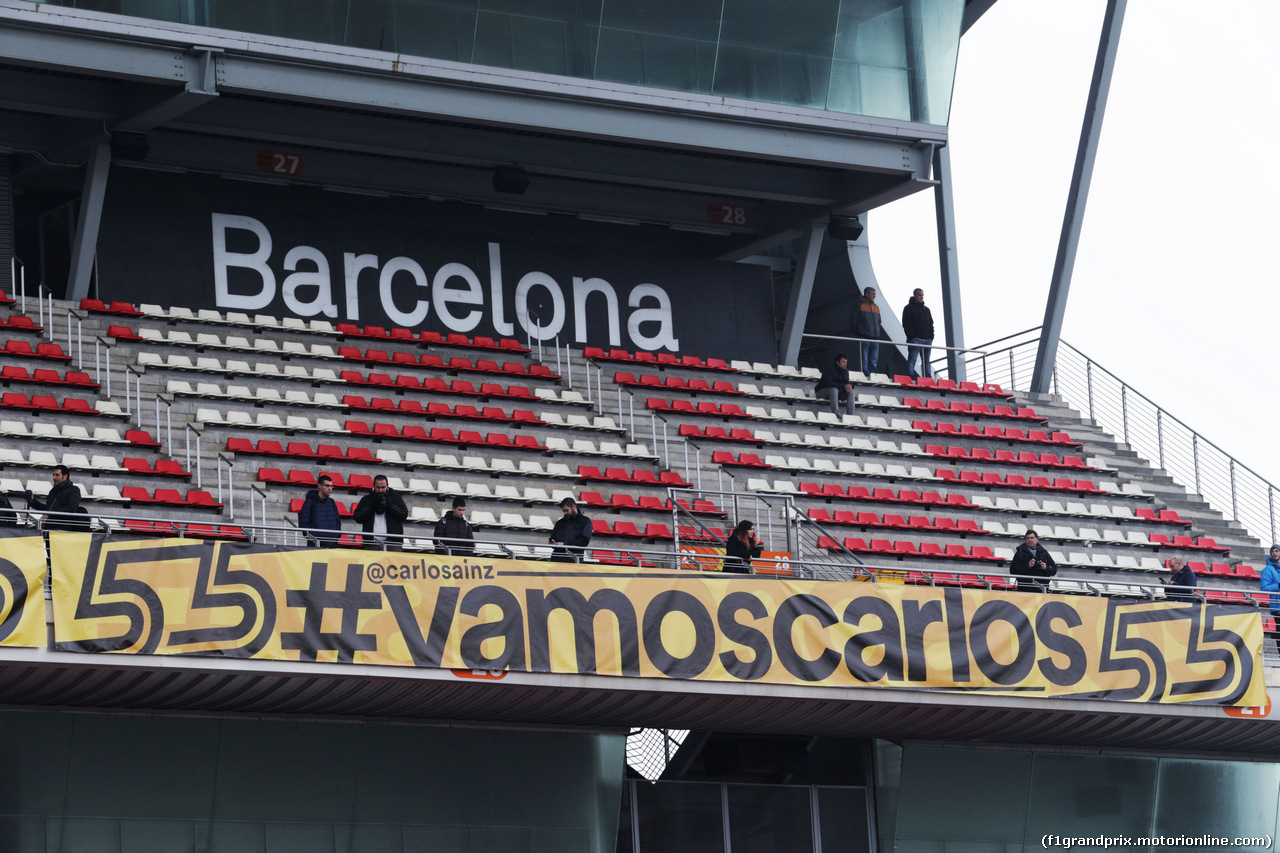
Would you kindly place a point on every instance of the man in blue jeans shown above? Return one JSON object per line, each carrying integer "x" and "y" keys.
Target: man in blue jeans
{"x": 917, "y": 325}
{"x": 865, "y": 323}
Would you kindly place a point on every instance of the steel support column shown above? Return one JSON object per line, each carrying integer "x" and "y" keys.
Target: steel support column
{"x": 801, "y": 292}
{"x": 948, "y": 264}
{"x": 85, "y": 243}
{"x": 1077, "y": 196}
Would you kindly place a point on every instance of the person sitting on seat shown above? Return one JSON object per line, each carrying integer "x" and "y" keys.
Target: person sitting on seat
{"x": 835, "y": 385}
{"x": 741, "y": 548}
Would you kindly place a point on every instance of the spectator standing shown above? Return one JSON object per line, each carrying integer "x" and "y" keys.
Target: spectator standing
{"x": 1182, "y": 581}
{"x": 1270, "y": 582}
{"x": 865, "y": 323}
{"x": 836, "y": 386}
{"x": 319, "y": 514}
{"x": 63, "y": 497}
{"x": 382, "y": 513}
{"x": 1032, "y": 560}
{"x": 741, "y": 548}
{"x": 453, "y": 531}
{"x": 571, "y": 534}
{"x": 917, "y": 325}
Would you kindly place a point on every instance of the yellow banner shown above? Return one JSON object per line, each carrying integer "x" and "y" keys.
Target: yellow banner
{"x": 22, "y": 575}
{"x": 188, "y": 597}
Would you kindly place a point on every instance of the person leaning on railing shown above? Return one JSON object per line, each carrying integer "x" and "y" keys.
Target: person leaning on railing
{"x": 741, "y": 548}
{"x": 64, "y": 497}
{"x": 1031, "y": 561}
{"x": 572, "y": 533}
{"x": 319, "y": 512}
{"x": 1269, "y": 579}
{"x": 381, "y": 513}
{"x": 453, "y": 532}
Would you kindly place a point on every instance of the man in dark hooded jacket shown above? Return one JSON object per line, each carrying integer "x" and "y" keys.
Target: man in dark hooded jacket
{"x": 572, "y": 533}
{"x": 835, "y": 385}
{"x": 917, "y": 325}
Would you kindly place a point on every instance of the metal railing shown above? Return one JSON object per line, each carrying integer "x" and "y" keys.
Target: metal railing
{"x": 187, "y": 431}
{"x": 1227, "y": 484}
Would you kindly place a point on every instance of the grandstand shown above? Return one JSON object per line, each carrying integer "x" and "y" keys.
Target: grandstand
{"x": 308, "y": 245}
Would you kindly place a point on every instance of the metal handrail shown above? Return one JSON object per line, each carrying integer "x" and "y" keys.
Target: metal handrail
{"x": 168, "y": 423}
{"x": 1195, "y": 462}
{"x": 199, "y": 464}
{"x": 98, "y": 344}
{"x": 231, "y": 470}
{"x": 885, "y": 341}
{"x": 876, "y": 573}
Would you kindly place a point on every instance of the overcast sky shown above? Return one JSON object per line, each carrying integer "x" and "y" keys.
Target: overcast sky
{"x": 1175, "y": 281}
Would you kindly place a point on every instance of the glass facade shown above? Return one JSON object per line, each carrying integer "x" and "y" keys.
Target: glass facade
{"x": 891, "y": 59}
{"x": 100, "y": 783}
{"x": 712, "y": 817}
{"x": 955, "y": 799}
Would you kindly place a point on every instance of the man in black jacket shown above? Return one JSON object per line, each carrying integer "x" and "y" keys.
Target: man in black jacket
{"x": 453, "y": 531}
{"x": 1030, "y": 562}
{"x": 917, "y": 325}
{"x": 572, "y": 533}
{"x": 63, "y": 497}
{"x": 836, "y": 386}
{"x": 382, "y": 513}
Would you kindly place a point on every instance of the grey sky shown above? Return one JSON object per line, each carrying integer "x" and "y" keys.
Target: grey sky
{"x": 1174, "y": 285}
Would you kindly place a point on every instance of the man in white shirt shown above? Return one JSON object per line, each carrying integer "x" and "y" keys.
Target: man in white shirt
{"x": 382, "y": 513}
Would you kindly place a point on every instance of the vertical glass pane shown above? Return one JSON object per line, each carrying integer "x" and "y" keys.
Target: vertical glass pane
{"x": 842, "y": 819}
{"x": 440, "y": 29}
{"x": 1084, "y": 795}
{"x": 670, "y": 44}
{"x": 941, "y": 802}
{"x": 1240, "y": 796}
{"x": 779, "y": 52}
{"x": 547, "y": 36}
{"x": 888, "y": 782}
{"x": 684, "y": 817}
{"x": 770, "y": 819}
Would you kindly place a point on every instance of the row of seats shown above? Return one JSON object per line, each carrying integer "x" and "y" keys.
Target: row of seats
{"x": 439, "y": 386}
{"x": 355, "y": 402}
{"x": 648, "y": 503}
{"x": 297, "y": 325}
{"x": 676, "y": 383}
{"x": 1017, "y": 481}
{"x": 46, "y": 376}
{"x": 994, "y": 432}
{"x": 937, "y": 524}
{"x": 949, "y": 385}
{"x": 73, "y": 433}
{"x": 22, "y": 349}
{"x": 170, "y": 497}
{"x": 145, "y": 527}
{"x": 662, "y": 359}
{"x": 1242, "y": 571}
{"x": 1008, "y": 457}
{"x": 689, "y": 407}
{"x": 50, "y": 405}
{"x": 1063, "y": 533}
{"x": 12, "y": 457}
{"x": 456, "y": 364}
{"x": 896, "y": 548}
{"x": 638, "y": 476}
{"x": 1032, "y": 506}
{"x": 211, "y": 341}
{"x": 20, "y": 323}
{"x": 453, "y": 339}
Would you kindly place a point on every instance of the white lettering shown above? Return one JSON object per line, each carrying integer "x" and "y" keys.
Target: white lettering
{"x": 256, "y": 261}
{"x": 500, "y": 324}
{"x": 352, "y": 265}
{"x": 318, "y": 278}
{"x": 387, "y": 276}
{"x": 443, "y": 297}
{"x": 540, "y": 328}
{"x": 584, "y": 287}
{"x": 661, "y": 315}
